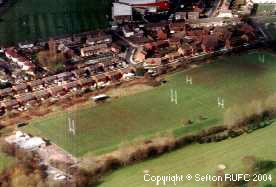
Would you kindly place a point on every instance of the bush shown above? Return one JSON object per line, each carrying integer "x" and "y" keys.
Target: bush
{"x": 264, "y": 166}
{"x": 235, "y": 132}
{"x": 111, "y": 163}
{"x": 212, "y": 130}
{"x": 87, "y": 90}
{"x": 248, "y": 130}
{"x": 139, "y": 154}
{"x": 140, "y": 71}
{"x": 253, "y": 126}
{"x": 222, "y": 136}
{"x": 26, "y": 171}
{"x": 9, "y": 149}
{"x": 186, "y": 140}
{"x": 262, "y": 124}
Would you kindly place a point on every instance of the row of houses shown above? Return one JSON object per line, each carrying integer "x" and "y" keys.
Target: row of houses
{"x": 91, "y": 67}
{"x": 172, "y": 40}
{"x": 57, "y": 90}
{"x": 44, "y": 82}
{"x": 95, "y": 50}
{"x": 32, "y": 85}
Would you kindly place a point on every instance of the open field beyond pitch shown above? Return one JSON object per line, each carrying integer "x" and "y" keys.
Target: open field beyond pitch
{"x": 237, "y": 79}
{"x": 39, "y": 19}
{"x": 202, "y": 159}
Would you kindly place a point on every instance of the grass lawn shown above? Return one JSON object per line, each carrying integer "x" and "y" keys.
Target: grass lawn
{"x": 4, "y": 161}
{"x": 265, "y": 8}
{"x": 201, "y": 159}
{"x": 39, "y": 19}
{"x": 238, "y": 79}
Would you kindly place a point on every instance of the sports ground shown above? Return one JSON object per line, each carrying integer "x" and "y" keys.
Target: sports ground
{"x": 201, "y": 159}
{"x": 39, "y": 19}
{"x": 237, "y": 79}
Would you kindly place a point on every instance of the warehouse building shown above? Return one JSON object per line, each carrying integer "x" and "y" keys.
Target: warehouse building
{"x": 121, "y": 12}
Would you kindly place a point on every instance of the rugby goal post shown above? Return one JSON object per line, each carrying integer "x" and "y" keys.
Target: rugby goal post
{"x": 189, "y": 80}
{"x": 220, "y": 101}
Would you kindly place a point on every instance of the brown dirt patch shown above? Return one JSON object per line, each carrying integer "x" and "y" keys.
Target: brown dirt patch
{"x": 125, "y": 91}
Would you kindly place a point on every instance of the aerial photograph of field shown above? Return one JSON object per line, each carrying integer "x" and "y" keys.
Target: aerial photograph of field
{"x": 137, "y": 93}
{"x": 126, "y": 117}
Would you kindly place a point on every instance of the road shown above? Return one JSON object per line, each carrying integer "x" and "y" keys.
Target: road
{"x": 217, "y": 4}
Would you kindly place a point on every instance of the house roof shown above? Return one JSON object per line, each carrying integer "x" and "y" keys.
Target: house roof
{"x": 11, "y": 52}
{"x": 71, "y": 84}
{"x": 35, "y": 83}
{"x": 6, "y": 91}
{"x": 94, "y": 47}
{"x": 102, "y": 38}
{"x": 26, "y": 98}
{"x": 41, "y": 94}
{"x": 20, "y": 87}
{"x": 81, "y": 71}
{"x": 87, "y": 81}
{"x": 210, "y": 41}
{"x": 56, "y": 89}
{"x": 120, "y": 9}
{"x": 50, "y": 78}
{"x": 9, "y": 103}
{"x": 101, "y": 76}
{"x": 32, "y": 143}
{"x": 64, "y": 75}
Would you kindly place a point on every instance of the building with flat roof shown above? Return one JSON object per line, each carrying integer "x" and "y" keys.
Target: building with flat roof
{"x": 263, "y": 1}
{"x": 121, "y": 12}
{"x": 137, "y": 1}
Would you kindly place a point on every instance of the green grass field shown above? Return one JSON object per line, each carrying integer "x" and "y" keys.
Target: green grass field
{"x": 265, "y": 8}
{"x": 5, "y": 161}
{"x": 201, "y": 159}
{"x": 238, "y": 79}
{"x": 39, "y": 19}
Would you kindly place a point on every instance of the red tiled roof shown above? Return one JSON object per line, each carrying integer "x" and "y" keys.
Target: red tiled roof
{"x": 11, "y": 52}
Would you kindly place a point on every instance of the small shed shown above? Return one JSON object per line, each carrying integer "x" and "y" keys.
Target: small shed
{"x": 101, "y": 97}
